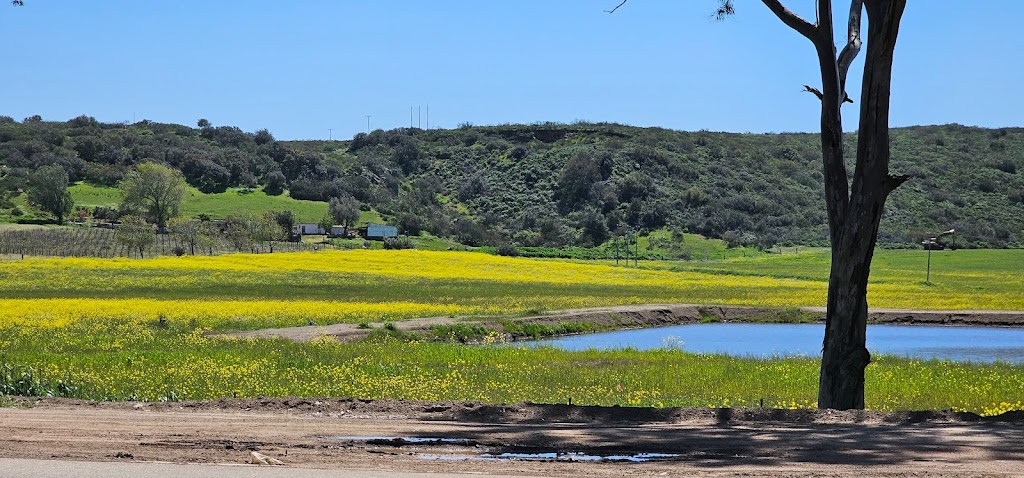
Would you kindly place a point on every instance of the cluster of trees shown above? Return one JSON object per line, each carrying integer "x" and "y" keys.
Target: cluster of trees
{"x": 550, "y": 185}
{"x": 152, "y": 197}
{"x": 245, "y": 232}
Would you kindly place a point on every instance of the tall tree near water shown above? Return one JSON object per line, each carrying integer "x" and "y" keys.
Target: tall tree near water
{"x": 155, "y": 190}
{"x": 854, "y": 205}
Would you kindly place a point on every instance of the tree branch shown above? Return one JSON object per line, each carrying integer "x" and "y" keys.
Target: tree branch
{"x": 892, "y": 182}
{"x": 817, "y": 92}
{"x": 616, "y": 7}
{"x": 853, "y": 42}
{"x": 811, "y": 89}
{"x": 792, "y": 20}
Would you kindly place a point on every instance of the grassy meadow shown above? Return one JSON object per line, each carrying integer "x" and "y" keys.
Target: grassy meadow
{"x": 135, "y": 329}
{"x": 219, "y": 205}
{"x": 960, "y": 279}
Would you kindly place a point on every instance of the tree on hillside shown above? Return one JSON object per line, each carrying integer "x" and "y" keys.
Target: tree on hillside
{"x": 854, "y": 205}
{"x": 345, "y": 211}
{"x": 135, "y": 234}
{"x": 48, "y": 190}
{"x": 276, "y": 182}
{"x": 576, "y": 179}
{"x": 154, "y": 190}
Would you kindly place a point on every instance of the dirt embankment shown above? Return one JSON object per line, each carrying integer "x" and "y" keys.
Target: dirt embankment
{"x": 651, "y": 315}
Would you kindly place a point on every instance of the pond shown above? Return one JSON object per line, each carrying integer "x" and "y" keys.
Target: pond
{"x": 975, "y": 344}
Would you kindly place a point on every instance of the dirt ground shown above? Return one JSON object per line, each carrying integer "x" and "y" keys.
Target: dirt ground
{"x": 656, "y": 315}
{"x": 468, "y": 437}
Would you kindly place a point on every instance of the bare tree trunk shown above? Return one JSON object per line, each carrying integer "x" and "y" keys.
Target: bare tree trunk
{"x": 853, "y": 211}
{"x": 844, "y": 352}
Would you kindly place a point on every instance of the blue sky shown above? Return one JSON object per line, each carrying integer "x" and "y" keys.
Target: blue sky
{"x": 302, "y": 67}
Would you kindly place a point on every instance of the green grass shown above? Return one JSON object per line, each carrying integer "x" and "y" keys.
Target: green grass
{"x": 160, "y": 364}
{"x": 220, "y": 205}
{"x": 975, "y": 271}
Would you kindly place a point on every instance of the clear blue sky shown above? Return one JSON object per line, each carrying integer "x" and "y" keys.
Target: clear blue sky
{"x": 301, "y": 67}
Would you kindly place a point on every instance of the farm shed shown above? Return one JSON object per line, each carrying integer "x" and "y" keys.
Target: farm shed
{"x": 309, "y": 228}
{"x": 380, "y": 231}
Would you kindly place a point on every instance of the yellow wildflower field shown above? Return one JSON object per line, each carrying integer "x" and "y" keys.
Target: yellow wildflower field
{"x": 245, "y": 290}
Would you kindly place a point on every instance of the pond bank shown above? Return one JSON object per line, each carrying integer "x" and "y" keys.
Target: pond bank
{"x": 568, "y": 322}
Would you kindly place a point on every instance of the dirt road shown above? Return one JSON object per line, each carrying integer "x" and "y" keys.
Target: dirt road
{"x": 466, "y": 437}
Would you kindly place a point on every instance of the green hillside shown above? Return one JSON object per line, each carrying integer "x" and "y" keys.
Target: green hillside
{"x": 215, "y": 205}
{"x": 546, "y": 185}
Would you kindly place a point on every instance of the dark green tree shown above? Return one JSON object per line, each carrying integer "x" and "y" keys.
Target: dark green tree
{"x": 285, "y": 220}
{"x": 49, "y": 191}
{"x": 276, "y": 182}
{"x": 576, "y": 178}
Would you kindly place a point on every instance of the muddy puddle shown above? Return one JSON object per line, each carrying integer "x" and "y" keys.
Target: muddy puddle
{"x": 456, "y": 449}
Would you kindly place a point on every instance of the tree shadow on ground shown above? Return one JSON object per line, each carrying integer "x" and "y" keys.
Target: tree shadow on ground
{"x": 727, "y": 437}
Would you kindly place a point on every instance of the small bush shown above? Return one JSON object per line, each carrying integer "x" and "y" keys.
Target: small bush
{"x": 395, "y": 243}
{"x": 508, "y": 250}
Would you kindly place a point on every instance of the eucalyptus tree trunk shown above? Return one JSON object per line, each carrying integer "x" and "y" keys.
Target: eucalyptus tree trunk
{"x": 854, "y": 210}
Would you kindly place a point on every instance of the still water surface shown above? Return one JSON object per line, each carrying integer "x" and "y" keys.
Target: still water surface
{"x": 976, "y": 344}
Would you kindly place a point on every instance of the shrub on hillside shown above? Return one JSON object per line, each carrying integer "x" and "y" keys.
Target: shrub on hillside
{"x": 395, "y": 243}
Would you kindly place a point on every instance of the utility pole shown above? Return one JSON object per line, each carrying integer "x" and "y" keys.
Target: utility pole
{"x": 330, "y": 134}
{"x": 636, "y": 258}
{"x": 615, "y": 247}
{"x": 930, "y": 244}
{"x": 368, "y": 124}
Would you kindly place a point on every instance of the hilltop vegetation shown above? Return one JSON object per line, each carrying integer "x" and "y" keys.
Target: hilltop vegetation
{"x": 548, "y": 185}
